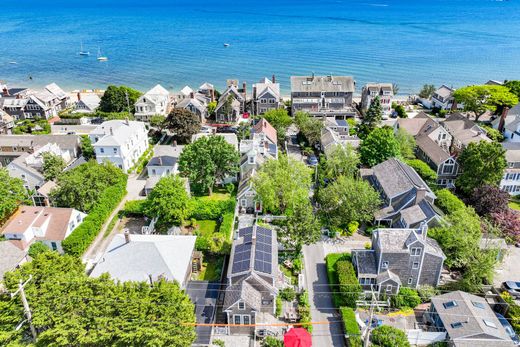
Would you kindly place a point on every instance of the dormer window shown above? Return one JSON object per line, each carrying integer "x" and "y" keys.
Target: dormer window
{"x": 416, "y": 251}
{"x": 241, "y": 306}
{"x": 384, "y": 265}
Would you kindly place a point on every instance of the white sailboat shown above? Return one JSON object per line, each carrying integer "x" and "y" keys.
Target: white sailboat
{"x": 101, "y": 57}
{"x": 82, "y": 52}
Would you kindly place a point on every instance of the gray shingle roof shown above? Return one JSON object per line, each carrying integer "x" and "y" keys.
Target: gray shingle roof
{"x": 245, "y": 292}
{"x": 322, "y": 83}
{"x": 11, "y": 257}
{"x": 432, "y": 150}
{"x": 366, "y": 261}
{"x": 398, "y": 240}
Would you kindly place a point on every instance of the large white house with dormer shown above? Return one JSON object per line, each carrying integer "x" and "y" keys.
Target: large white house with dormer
{"x": 156, "y": 101}
{"x": 120, "y": 142}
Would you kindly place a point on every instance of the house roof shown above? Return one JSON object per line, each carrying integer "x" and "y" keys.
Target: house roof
{"x": 379, "y": 87}
{"x": 36, "y": 216}
{"x": 13, "y": 102}
{"x": 413, "y": 214}
{"x": 264, "y": 127}
{"x": 21, "y": 164}
{"x": 386, "y": 276}
{"x": 267, "y": 86}
{"x": 414, "y": 125}
{"x": 167, "y": 256}
{"x": 512, "y": 151}
{"x": 11, "y": 257}
{"x": 243, "y": 291}
{"x": 464, "y": 129}
{"x": 193, "y": 101}
{"x": 165, "y": 155}
{"x": 398, "y": 240}
{"x": 396, "y": 177}
{"x": 122, "y": 130}
{"x": 469, "y": 317}
{"x": 444, "y": 91}
{"x": 322, "y": 83}
{"x": 432, "y": 150}
{"x": 65, "y": 142}
{"x": 55, "y": 90}
{"x": 46, "y": 188}
{"x": 91, "y": 100}
{"x": 366, "y": 261}
{"x": 206, "y": 86}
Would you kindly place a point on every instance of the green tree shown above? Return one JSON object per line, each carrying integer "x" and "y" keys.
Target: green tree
{"x": 86, "y": 148}
{"x": 53, "y": 165}
{"x": 71, "y": 309}
{"x": 479, "y": 99}
{"x": 37, "y": 248}
{"x": 183, "y": 123}
{"x": 493, "y": 134}
{"x": 427, "y": 91}
{"x": 395, "y": 88}
{"x": 115, "y": 99}
{"x": 270, "y": 341}
{"x": 482, "y": 164}
{"x": 401, "y": 112}
{"x": 227, "y": 107}
{"x": 280, "y": 120}
{"x": 309, "y": 126}
{"x": 406, "y": 298}
{"x": 208, "y": 161}
{"x": 12, "y": 194}
{"x": 168, "y": 201}
{"x": 158, "y": 121}
{"x": 387, "y": 336}
{"x": 282, "y": 184}
{"x": 81, "y": 187}
{"x": 514, "y": 87}
{"x": 374, "y": 114}
{"x": 302, "y": 227}
{"x": 212, "y": 107}
{"x": 379, "y": 146}
{"x": 348, "y": 200}
{"x": 424, "y": 170}
{"x": 406, "y": 144}
{"x": 341, "y": 161}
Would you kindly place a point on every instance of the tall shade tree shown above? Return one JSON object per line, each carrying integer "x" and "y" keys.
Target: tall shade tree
{"x": 482, "y": 164}
{"x": 280, "y": 120}
{"x": 508, "y": 222}
{"x": 427, "y": 91}
{"x": 309, "y": 126}
{"x": 71, "y": 309}
{"x": 12, "y": 194}
{"x": 406, "y": 144}
{"x": 168, "y": 201}
{"x": 81, "y": 187}
{"x": 53, "y": 165}
{"x": 118, "y": 99}
{"x": 158, "y": 122}
{"x": 302, "y": 227}
{"x": 341, "y": 161}
{"x": 479, "y": 99}
{"x": 374, "y": 114}
{"x": 183, "y": 123}
{"x": 87, "y": 150}
{"x": 348, "y": 200}
{"x": 208, "y": 161}
{"x": 379, "y": 146}
{"x": 514, "y": 87}
{"x": 282, "y": 184}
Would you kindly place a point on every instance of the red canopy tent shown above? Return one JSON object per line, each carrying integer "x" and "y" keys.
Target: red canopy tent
{"x": 297, "y": 337}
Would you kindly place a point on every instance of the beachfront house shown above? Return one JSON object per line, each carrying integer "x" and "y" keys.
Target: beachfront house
{"x": 156, "y": 101}
{"x": 121, "y": 142}
{"x": 266, "y": 96}
{"x": 385, "y": 92}
{"x": 232, "y": 103}
{"x": 443, "y": 99}
{"x": 87, "y": 103}
{"x": 329, "y": 96}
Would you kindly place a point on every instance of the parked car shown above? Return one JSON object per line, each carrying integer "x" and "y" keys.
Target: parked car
{"x": 227, "y": 129}
{"x": 513, "y": 288}
{"x": 312, "y": 160}
{"x": 508, "y": 328}
{"x": 206, "y": 129}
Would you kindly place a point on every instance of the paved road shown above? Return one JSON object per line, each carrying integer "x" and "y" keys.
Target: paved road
{"x": 320, "y": 299}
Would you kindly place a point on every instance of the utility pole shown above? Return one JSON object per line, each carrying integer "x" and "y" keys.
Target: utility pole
{"x": 26, "y": 308}
{"x": 369, "y": 326}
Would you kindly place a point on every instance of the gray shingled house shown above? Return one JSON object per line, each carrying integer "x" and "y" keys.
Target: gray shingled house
{"x": 232, "y": 103}
{"x": 251, "y": 279}
{"x": 408, "y": 201}
{"x": 468, "y": 321}
{"x": 329, "y": 96}
{"x": 399, "y": 257}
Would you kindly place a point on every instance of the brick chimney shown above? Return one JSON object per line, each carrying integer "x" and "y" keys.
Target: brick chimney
{"x": 127, "y": 236}
{"x": 503, "y": 117}
{"x": 273, "y": 78}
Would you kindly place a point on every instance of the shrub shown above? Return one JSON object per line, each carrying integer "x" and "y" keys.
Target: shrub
{"x": 81, "y": 238}
{"x": 352, "y": 228}
{"x": 448, "y": 202}
{"x": 297, "y": 264}
{"x": 134, "y": 208}
{"x": 426, "y": 292}
{"x": 351, "y": 327}
{"x": 424, "y": 170}
{"x": 226, "y": 227}
{"x": 37, "y": 248}
{"x": 332, "y": 275}
{"x": 349, "y": 287}
{"x": 230, "y": 188}
{"x": 278, "y": 311}
{"x": 387, "y": 336}
{"x": 219, "y": 343}
{"x": 207, "y": 208}
{"x": 406, "y": 298}
{"x": 513, "y": 313}
{"x": 287, "y": 294}
{"x": 271, "y": 341}
{"x": 304, "y": 309}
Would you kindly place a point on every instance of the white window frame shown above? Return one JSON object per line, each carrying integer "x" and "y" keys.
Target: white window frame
{"x": 415, "y": 265}
{"x": 384, "y": 265}
{"x": 389, "y": 288}
{"x": 241, "y": 305}
{"x": 416, "y": 251}
{"x": 410, "y": 280}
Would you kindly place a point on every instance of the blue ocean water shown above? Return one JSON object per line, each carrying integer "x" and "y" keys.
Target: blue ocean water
{"x": 410, "y": 42}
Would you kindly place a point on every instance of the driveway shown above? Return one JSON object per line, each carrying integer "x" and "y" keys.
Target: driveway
{"x": 508, "y": 270}
{"x": 320, "y": 298}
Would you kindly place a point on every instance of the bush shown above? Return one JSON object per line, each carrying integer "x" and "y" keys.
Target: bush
{"x": 424, "y": 170}
{"x": 513, "y": 313}
{"x": 351, "y": 327}
{"x": 349, "y": 287}
{"x": 134, "y": 208}
{"x": 81, "y": 238}
{"x": 271, "y": 341}
{"x": 230, "y": 188}
{"x": 207, "y": 208}
{"x": 287, "y": 294}
{"x": 37, "y": 248}
{"x": 352, "y": 227}
{"x": 426, "y": 292}
{"x": 448, "y": 202}
{"x": 401, "y": 112}
{"x": 226, "y": 227}
{"x": 278, "y": 310}
{"x": 387, "y": 336}
{"x": 304, "y": 310}
{"x": 406, "y": 298}
{"x": 219, "y": 343}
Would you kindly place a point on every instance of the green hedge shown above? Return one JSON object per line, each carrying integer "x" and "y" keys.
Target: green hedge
{"x": 332, "y": 275}
{"x": 448, "y": 202}
{"x": 406, "y": 298}
{"x": 81, "y": 238}
{"x": 424, "y": 170}
{"x": 513, "y": 312}
{"x": 134, "y": 208}
{"x": 349, "y": 287}
{"x": 304, "y": 310}
{"x": 351, "y": 327}
{"x": 228, "y": 221}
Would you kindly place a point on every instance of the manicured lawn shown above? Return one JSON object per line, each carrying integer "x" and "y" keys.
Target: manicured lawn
{"x": 211, "y": 268}
{"x": 514, "y": 205}
{"x": 206, "y": 227}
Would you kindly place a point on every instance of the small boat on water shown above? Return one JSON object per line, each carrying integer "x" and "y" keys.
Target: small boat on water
{"x": 101, "y": 57}
{"x": 82, "y": 52}
{"x": 226, "y": 44}
{"x": 13, "y": 63}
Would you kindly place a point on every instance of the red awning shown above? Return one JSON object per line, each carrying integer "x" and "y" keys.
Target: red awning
{"x": 297, "y": 337}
